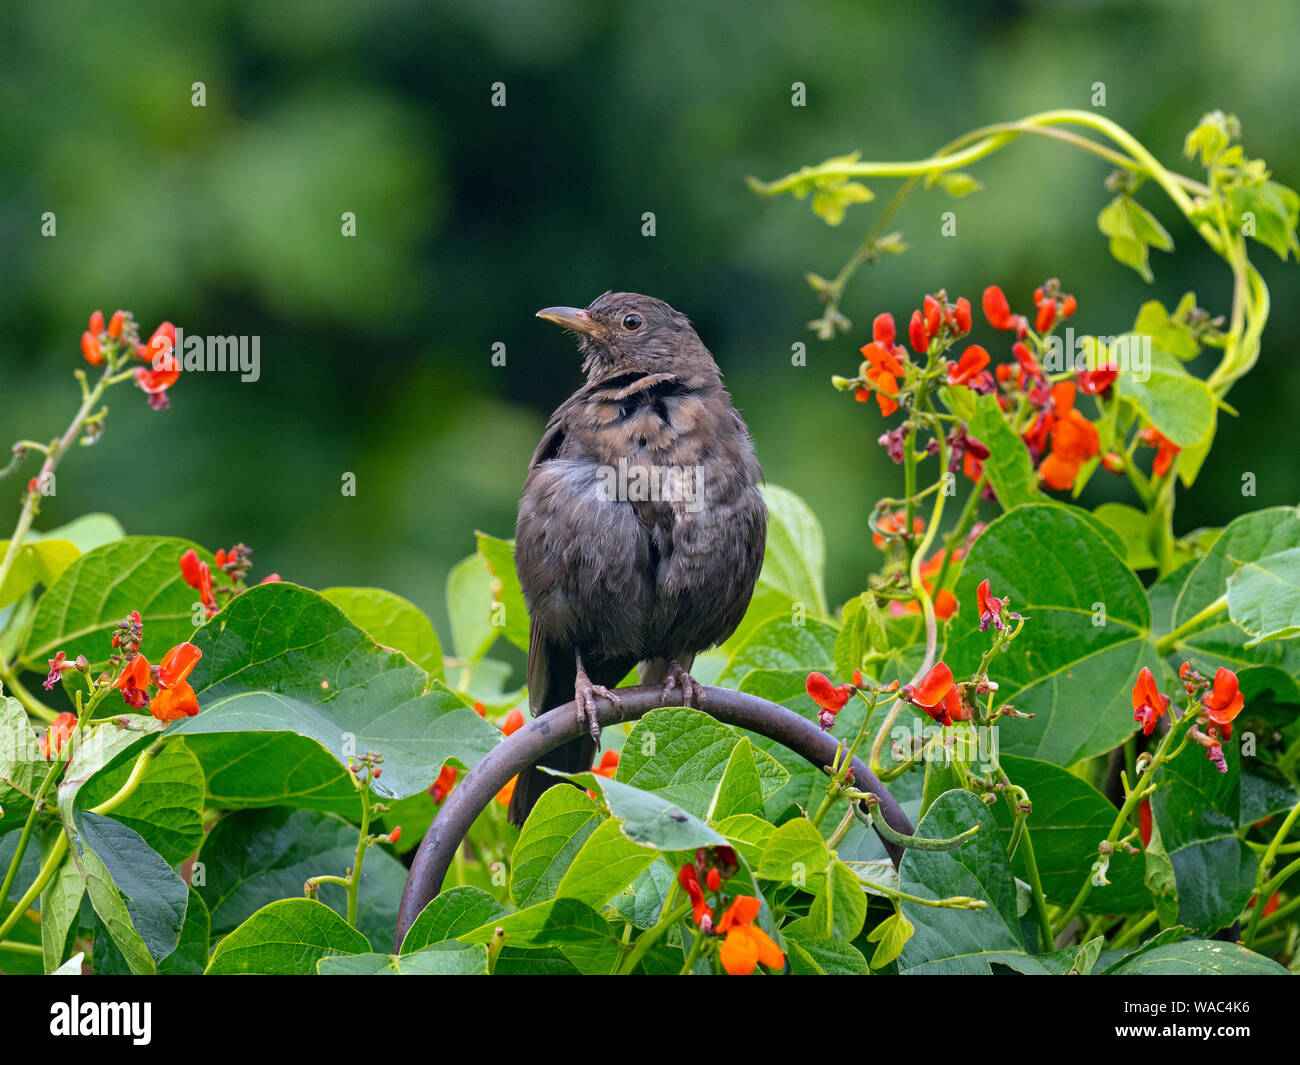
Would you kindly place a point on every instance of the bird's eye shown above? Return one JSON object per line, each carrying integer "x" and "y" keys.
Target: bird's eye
{"x": 632, "y": 321}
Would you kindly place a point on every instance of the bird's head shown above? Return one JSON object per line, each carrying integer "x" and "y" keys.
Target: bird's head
{"x": 625, "y": 330}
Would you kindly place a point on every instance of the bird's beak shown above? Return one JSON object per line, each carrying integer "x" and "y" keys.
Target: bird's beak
{"x": 574, "y": 319}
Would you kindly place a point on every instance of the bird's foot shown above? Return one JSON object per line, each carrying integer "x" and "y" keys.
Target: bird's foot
{"x": 678, "y": 679}
{"x": 585, "y": 694}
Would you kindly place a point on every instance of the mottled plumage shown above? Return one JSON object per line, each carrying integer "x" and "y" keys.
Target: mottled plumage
{"x": 613, "y": 573}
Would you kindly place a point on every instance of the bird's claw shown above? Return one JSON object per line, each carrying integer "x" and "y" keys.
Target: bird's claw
{"x": 585, "y": 694}
{"x": 678, "y": 678}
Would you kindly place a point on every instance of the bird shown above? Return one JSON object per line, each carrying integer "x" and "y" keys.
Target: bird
{"x": 641, "y": 527}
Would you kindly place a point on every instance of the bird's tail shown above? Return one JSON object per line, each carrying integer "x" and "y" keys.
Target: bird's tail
{"x": 571, "y": 757}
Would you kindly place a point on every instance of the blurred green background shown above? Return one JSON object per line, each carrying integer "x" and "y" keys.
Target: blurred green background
{"x": 376, "y": 350}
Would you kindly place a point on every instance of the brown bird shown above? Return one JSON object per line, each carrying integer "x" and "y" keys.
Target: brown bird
{"x": 641, "y": 528}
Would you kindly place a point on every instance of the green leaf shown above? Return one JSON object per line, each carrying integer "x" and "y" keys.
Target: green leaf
{"x": 1071, "y": 667}
{"x": 749, "y": 835}
{"x": 779, "y": 644}
{"x": 641, "y": 903}
{"x": 833, "y": 197}
{"x": 78, "y": 613}
{"x": 957, "y": 184}
{"x": 1010, "y": 470}
{"x": 190, "y": 957}
{"x": 391, "y": 621}
{"x": 740, "y": 791}
{"x": 794, "y": 562}
{"x": 1195, "y": 809}
{"x": 1268, "y": 212}
{"x": 862, "y": 633}
{"x": 1167, "y": 332}
{"x": 60, "y": 907}
{"x": 254, "y": 857}
{"x": 961, "y": 941}
{"x": 650, "y": 819}
{"x": 1132, "y": 230}
{"x": 607, "y": 862}
{"x": 555, "y": 831}
{"x": 469, "y": 606}
{"x": 136, "y": 894}
{"x": 507, "y": 595}
{"x": 1070, "y": 817}
{"x": 680, "y": 755}
{"x": 166, "y": 808}
{"x": 810, "y": 956}
{"x": 281, "y": 659}
{"x": 37, "y": 562}
{"x": 21, "y": 766}
{"x": 441, "y": 959}
{"x": 840, "y": 907}
{"x": 1130, "y": 524}
{"x": 795, "y": 854}
{"x": 1198, "y": 957}
{"x": 547, "y": 924}
{"x": 452, "y": 913}
{"x": 1264, "y": 596}
{"x": 1181, "y": 406}
{"x": 892, "y": 935}
{"x": 286, "y": 938}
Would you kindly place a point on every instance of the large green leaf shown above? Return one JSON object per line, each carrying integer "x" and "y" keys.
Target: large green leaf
{"x": 286, "y": 938}
{"x": 1072, "y": 666}
{"x": 1181, "y": 406}
{"x": 779, "y": 643}
{"x": 555, "y": 831}
{"x": 1070, "y": 817}
{"x": 651, "y": 819}
{"x": 37, "y": 562}
{"x": 794, "y": 564}
{"x": 1010, "y": 469}
{"x": 136, "y": 894}
{"x": 392, "y": 622}
{"x": 1195, "y": 811}
{"x": 254, "y": 857}
{"x": 1197, "y": 957}
{"x": 1264, "y": 596}
{"x": 21, "y": 766}
{"x": 452, "y": 913}
{"x": 606, "y": 863}
{"x": 681, "y": 754}
{"x": 281, "y": 659}
{"x": 510, "y": 611}
{"x": 948, "y": 941}
{"x": 441, "y": 959}
{"x": 78, "y": 613}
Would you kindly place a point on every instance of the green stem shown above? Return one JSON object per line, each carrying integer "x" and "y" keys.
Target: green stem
{"x": 1167, "y": 643}
{"x": 1132, "y": 933}
{"x": 1036, "y": 887}
{"x": 1262, "y": 892}
{"x": 667, "y": 918}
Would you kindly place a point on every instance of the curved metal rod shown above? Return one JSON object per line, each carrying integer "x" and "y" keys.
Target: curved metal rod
{"x": 547, "y": 731}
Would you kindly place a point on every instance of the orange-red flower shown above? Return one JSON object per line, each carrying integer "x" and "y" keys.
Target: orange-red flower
{"x": 884, "y": 366}
{"x": 133, "y": 682}
{"x": 1166, "y": 449}
{"x": 514, "y": 722}
{"x": 503, "y": 796}
{"x": 57, "y": 735}
{"x": 895, "y": 523}
{"x": 937, "y": 695}
{"x": 701, "y": 910}
{"x": 1149, "y": 705}
{"x": 825, "y": 694}
{"x": 608, "y": 764}
{"x": 972, "y": 361}
{"x": 997, "y": 310}
{"x": 746, "y": 946}
{"x": 1224, "y": 702}
{"x": 116, "y": 323}
{"x": 198, "y": 576}
{"x": 175, "y": 698}
{"x": 90, "y": 348}
{"x": 441, "y": 787}
{"x": 1074, "y": 439}
{"x": 1094, "y": 382}
{"x": 164, "y": 367}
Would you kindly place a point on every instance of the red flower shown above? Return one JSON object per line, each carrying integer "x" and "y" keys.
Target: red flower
{"x": 937, "y": 695}
{"x": 746, "y": 945}
{"x": 514, "y": 722}
{"x": 608, "y": 764}
{"x": 933, "y": 314}
{"x": 1224, "y": 702}
{"x": 504, "y": 795}
{"x": 882, "y": 330}
{"x": 990, "y": 607}
{"x": 96, "y": 322}
{"x": 973, "y": 360}
{"x": 57, "y": 735}
{"x": 701, "y": 910}
{"x": 1069, "y": 306}
{"x": 916, "y": 334}
{"x": 961, "y": 315}
{"x": 395, "y": 834}
{"x": 825, "y": 694}
{"x": 1046, "y": 316}
{"x": 442, "y": 786}
{"x": 115, "y": 324}
{"x": 196, "y": 574}
{"x": 134, "y": 682}
{"x": 884, "y": 368}
{"x": 893, "y": 524}
{"x": 90, "y": 349}
{"x": 1026, "y": 359}
{"x": 1166, "y": 451}
{"x": 1074, "y": 439}
{"x": 165, "y": 367}
{"x": 1148, "y": 704}
{"x": 997, "y": 310}
{"x": 1096, "y": 382}
{"x": 176, "y": 699}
